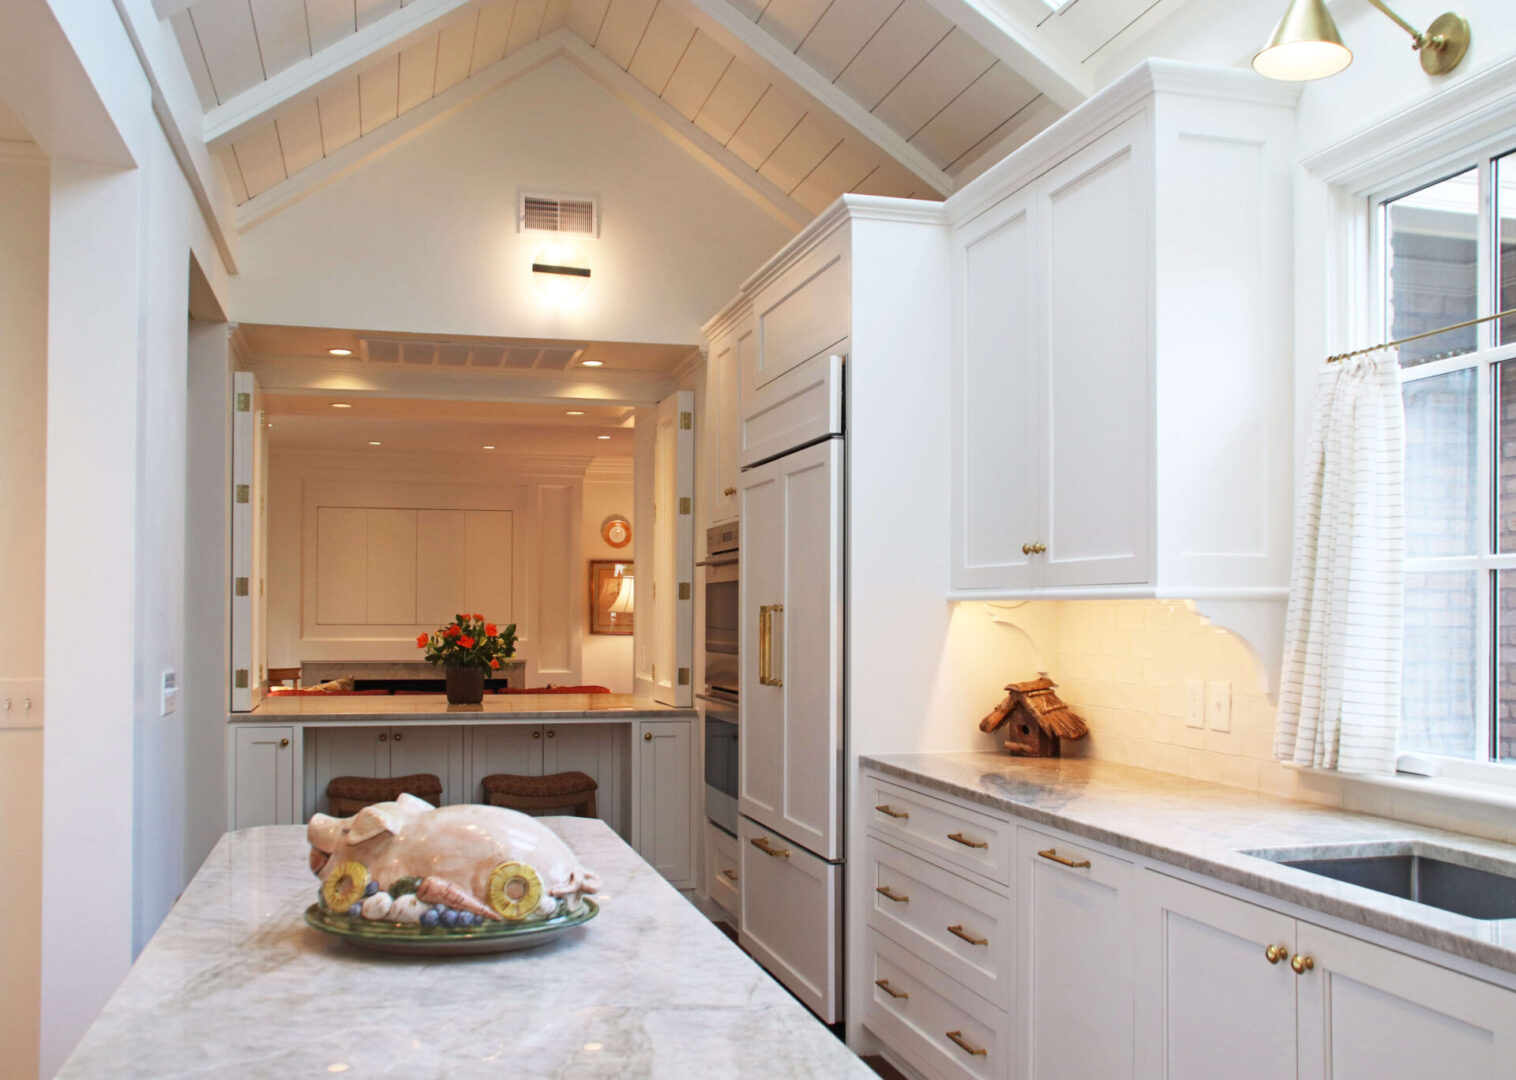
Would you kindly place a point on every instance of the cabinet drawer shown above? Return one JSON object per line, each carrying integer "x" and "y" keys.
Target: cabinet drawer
{"x": 926, "y": 824}
{"x": 934, "y": 1023}
{"x": 801, "y": 406}
{"x": 790, "y": 915}
{"x": 802, "y": 313}
{"x": 960, "y": 928}
{"x": 722, "y": 870}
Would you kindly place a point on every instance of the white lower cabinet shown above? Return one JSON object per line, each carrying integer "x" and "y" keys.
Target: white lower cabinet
{"x": 385, "y": 752}
{"x": 663, "y": 761}
{"x": 790, "y": 915}
{"x": 263, "y": 777}
{"x": 723, "y": 870}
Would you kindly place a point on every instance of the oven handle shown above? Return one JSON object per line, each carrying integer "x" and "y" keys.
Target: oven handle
{"x": 719, "y": 560}
{"x": 718, "y": 698}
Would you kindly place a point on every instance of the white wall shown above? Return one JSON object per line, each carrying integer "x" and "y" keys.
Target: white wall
{"x": 607, "y": 657}
{"x": 437, "y": 213}
{"x": 23, "y": 451}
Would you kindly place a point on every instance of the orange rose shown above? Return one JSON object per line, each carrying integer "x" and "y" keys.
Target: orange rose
{"x": 491, "y": 629}
{"x": 495, "y": 664}
{"x": 452, "y": 631}
{"x": 478, "y": 617}
{"x": 422, "y": 640}
{"x": 466, "y": 642}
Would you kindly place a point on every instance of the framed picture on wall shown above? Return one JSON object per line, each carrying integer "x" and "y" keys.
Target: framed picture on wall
{"x": 612, "y": 595}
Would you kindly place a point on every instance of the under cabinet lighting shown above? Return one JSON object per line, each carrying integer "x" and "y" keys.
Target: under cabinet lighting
{"x": 487, "y": 447}
{"x": 340, "y": 352}
{"x": 375, "y": 442}
{"x": 341, "y": 405}
{"x": 592, "y": 363}
{"x": 575, "y": 412}
{"x": 602, "y": 436}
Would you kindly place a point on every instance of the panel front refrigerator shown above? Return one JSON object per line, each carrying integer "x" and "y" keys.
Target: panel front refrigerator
{"x": 790, "y": 778}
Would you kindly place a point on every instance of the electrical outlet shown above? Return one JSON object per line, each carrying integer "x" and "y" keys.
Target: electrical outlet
{"x": 1218, "y": 706}
{"x": 1194, "y": 703}
{"x": 170, "y": 693}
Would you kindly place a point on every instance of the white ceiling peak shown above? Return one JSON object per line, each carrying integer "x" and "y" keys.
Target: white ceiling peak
{"x": 1057, "y": 76}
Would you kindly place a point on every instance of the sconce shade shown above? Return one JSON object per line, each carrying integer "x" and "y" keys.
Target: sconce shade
{"x": 626, "y": 598}
{"x": 1305, "y": 45}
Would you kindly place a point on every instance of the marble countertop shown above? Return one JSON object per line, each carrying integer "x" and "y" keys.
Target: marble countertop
{"x": 1207, "y": 828}
{"x": 235, "y": 984}
{"x": 434, "y": 707}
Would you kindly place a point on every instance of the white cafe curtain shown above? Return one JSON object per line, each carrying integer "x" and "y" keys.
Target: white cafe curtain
{"x": 1339, "y": 692}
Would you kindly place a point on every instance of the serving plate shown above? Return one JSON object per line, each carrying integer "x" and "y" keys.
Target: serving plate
{"x": 440, "y": 941}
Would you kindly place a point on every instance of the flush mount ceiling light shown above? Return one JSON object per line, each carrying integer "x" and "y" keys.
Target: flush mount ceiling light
{"x": 560, "y": 272}
{"x": 487, "y": 447}
{"x": 1306, "y": 44}
{"x": 575, "y": 412}
{"x": 340, "y": 352}
{"x": 602, "y": 436}
{"x": 341, "y": 405}
{"x": 375, "y": 442}
{"x": 592, "y": 363}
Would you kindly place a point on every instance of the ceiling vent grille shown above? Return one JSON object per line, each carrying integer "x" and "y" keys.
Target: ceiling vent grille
{"x": 558, "y": 214}
{"x": 480, "y": 356}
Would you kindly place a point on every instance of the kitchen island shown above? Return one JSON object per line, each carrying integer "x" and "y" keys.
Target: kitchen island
{"x": 235, "y": 984}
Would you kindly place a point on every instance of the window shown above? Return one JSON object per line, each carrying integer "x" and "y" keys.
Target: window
{"x": 1449, "y": 255}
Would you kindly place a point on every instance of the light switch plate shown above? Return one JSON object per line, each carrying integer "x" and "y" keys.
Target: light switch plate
{"x": 170, "y": 693}
{"x": 1194, "y": 703}
{"x": 1218, "y": 706}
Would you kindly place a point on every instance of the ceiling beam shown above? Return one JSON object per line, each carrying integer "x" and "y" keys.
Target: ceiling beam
{"x": 690, "y": 138}
{"x": 741, "y": 36}
{"x": 379, "y": 40}
{"x": 1059, "y": 79}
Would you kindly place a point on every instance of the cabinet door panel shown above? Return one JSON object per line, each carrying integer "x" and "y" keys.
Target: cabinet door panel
{"x": 804, "y": 312}
{"x": 790, "y": 758}
{"x": 998, "y": 431}
{"x": 1098, "y": 394}
{"x": 1209, "y": 1003}
{"x": 510, "y": 748}
{"x": 722, "y": 421}
{"x": 791, "y": 915}
{"x": 665, "y": 809}
{"x": 264, "y": 774}
{"x": 357, "y": 751}
{"x": 595, "y": 750}
{"x": 1075, "y": 951}
{"x": 435, "y": 750}
{"x": 1367, "y": 1012}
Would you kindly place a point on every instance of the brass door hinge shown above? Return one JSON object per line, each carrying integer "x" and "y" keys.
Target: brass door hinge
{"x": 686, "y": 421}
{"x": 684, "y": 504}
{"x": 684, "y": 590}
{"x": 244, "y": 402}
{"x": 239, "y": 587}
{"x": 244, "y": 493}
{"x": 239, "y": 679}
{"x": 684, "y": 676}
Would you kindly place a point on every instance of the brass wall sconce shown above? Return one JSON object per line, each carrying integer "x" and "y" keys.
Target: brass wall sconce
{"x": 1306, "y": 44}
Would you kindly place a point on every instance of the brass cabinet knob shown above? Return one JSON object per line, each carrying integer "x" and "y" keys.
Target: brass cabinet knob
{"x": 729, "y": 492}
{"x": 648, "y": 735}
{"x": 1276, "y": 953}
{"x": 384, "y": 736}
{"x": 397, "y": 736}
{"x": 536, "y": 734}
{"x": 1302, "y": 964}
{"x": 1026, "y": 549}
{"x": 284, "y": 742}
{"x": 550, "y": 734}
{"x": 1038, "y": 549}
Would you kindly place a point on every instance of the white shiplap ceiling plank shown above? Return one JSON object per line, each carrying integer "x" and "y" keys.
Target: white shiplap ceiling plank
{"x": 949, "y": 69}
{"x": 229, "y": 42}
{"x": 339, "y": 115}
{"x": 789, "y": 21}
{"x": 974, "y": 114}
{"x": 807, "y": 144}
{"x": 841, "y": 170}
{"x": 455, "y": 48}
{"x": 1017, "y": 41}
{"x": 194, "y": 59}
{"x": 378, "y": 94}
{"x": 228, "y": 160}
{"x": 299, "y": 128}
{"x": 261, "y": 159}
{"x": 901, "y": 43}
{"x": 418, "y": 73}
{"x": 842, "y": 32}
{"x": 736, "y": 92}
{"x": 774, "y": 117}
{"x": 696, "y": 75}
{"x": 555, "y": 15}
{"x": 622, "y": 30}
{"x": 493, "y": 32}
{"x": 893, "y": 179}
{"x": 329, "y": 21}
{"x": 282, "y": 36}
{"x": 368, "y": 12}
{"x": 667, "y": 37}
{"x": 1031, "y": 121}
{"x": 585, "y": 17}
{"x": 526, "y": 24}
{"x": 752, "y": 9}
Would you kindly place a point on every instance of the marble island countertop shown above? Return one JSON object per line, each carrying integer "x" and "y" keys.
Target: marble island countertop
{"x": 235, "y": 984}
{"x": 434, "y": 708}
{"x": 1208, "y": 829}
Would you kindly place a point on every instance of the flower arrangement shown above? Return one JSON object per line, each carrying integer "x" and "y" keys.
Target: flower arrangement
{"x": 469, "y": 642}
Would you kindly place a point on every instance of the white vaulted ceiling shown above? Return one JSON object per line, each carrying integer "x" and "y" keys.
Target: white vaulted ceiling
{"x": 801, "y": 99}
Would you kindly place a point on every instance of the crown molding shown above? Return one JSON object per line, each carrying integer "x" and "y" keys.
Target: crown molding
{"x": 609, "y": 471}
{"x": 499, "y": 468}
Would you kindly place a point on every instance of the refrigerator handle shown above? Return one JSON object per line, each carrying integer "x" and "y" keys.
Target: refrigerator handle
{"x": 766, "y": 675}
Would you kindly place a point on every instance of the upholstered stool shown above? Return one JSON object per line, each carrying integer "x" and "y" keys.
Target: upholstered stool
{"x": 559, "y": 791}
{"x": 347, "y": 795}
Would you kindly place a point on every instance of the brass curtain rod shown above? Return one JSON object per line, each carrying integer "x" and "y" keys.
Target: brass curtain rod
{"x": 1418, "y": 337}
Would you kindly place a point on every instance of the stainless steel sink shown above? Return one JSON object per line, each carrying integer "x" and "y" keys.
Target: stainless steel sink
{"x": 1415, "y": 873}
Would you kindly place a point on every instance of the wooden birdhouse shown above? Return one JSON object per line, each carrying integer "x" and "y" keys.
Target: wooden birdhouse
{"x": 1035, "y": 721}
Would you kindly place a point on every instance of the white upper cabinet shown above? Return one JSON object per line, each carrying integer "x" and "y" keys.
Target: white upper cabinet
{"x": 1121, "y": 372}
{"x": 728, "y": 346}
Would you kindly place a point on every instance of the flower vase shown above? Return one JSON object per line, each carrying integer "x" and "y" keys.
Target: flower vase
{"x": 465, "y": 685}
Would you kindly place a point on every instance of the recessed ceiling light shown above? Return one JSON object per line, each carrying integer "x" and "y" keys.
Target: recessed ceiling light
{"x": 340, "y": 352}
{"x": 341, "y": 405}
{"x": 487, "y": 448}
{"x": 576, "y": 412}
{"x": 375, "y": 442}
{"x": 602, "y": 436}
{"x": 592, "y": 363}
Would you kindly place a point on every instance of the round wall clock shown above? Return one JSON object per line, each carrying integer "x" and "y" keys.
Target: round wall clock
{"x": 617, "y": 532}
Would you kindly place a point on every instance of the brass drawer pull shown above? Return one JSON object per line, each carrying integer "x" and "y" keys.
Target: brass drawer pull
{"x": 766, "y": 676}
{"x": 886, "y": 808}
{"x": 1301, "y": 964}
{"x": 729, "y": 492}
{"x": 762, "y": 844}
{"x": 1276, "y": 953}
{"x": 884, "y": 891}
{"x": 1052, "y": 853}
{"x": 966, "y": 842}
{"x": 728, "y": 875}
{"x": 975, "y": 1051}
{"x": 958, "y": 931}
{"x": 884, "y": 984}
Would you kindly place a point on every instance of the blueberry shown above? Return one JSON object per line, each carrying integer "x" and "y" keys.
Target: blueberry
{"x": 355, "y": 911}
{"x": 371, "y": 889}
{"x": 449, "y": 918}
{"x": 429, "y": 917}
{"x": 466, "y": 918}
